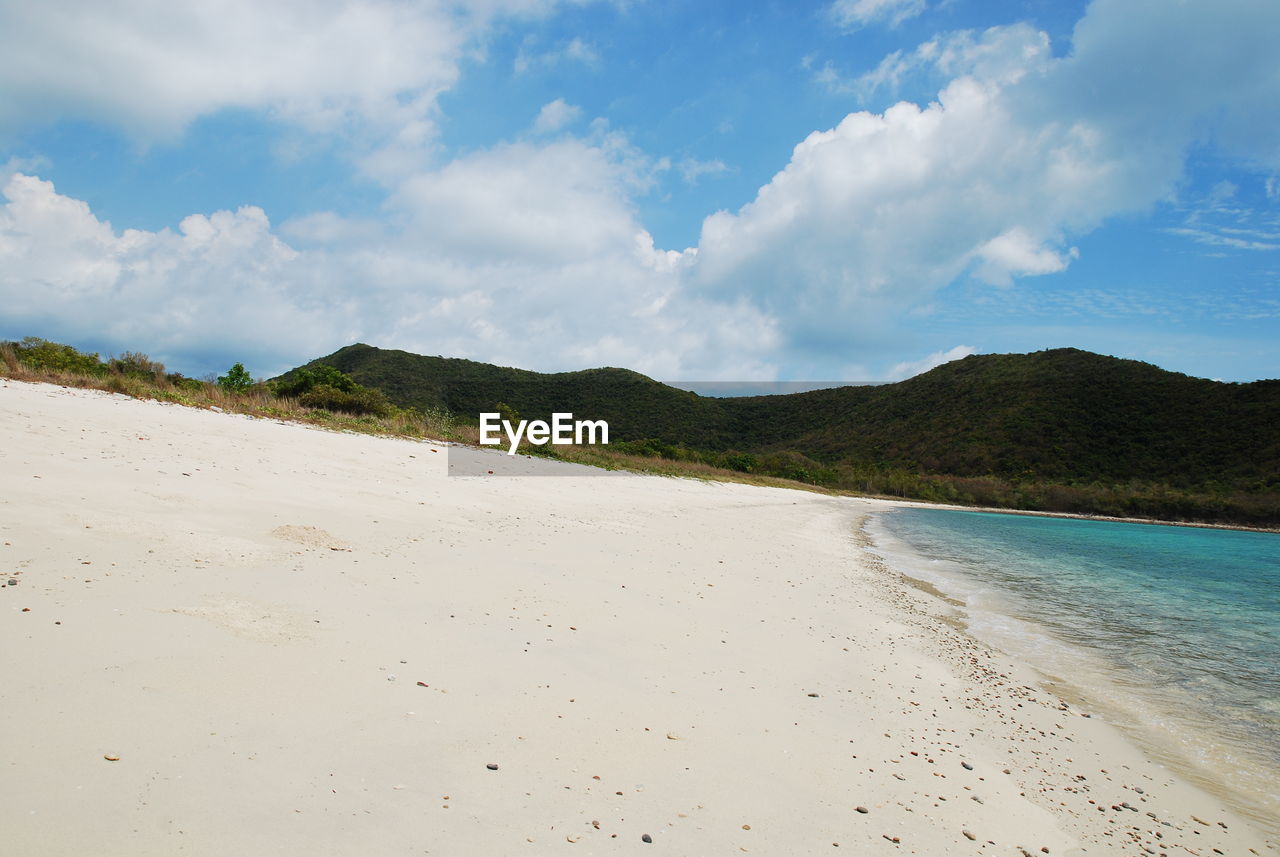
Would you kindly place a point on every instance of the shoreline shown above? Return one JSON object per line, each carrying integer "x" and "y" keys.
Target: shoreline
{"x": 1075, "y": 516}
{"x": 238, "y": 635}
{"x": 1095, "y": 682}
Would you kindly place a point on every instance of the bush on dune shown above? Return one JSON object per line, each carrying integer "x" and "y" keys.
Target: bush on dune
{"x": 360, "y": 401}
{"x": 300, "y": 382}
{"x": 326, "y": 388}
{"x": 43, "y": 355}
{"x": 135, "y": 364}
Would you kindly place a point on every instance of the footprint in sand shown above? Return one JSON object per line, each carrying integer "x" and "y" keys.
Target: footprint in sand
{"x": 265, "y": 623}
{"x": 310, "y": 537}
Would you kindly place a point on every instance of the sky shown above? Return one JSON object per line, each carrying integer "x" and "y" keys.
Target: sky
{"x": 848, "y": 190}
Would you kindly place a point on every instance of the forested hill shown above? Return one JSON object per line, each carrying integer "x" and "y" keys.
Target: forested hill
{"x": 635, "y": 406}
{"x": 1061, "y": 414}
{"x": 1059, "y": 417}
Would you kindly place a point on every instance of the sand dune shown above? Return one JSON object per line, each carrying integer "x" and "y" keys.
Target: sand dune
{"x": 235, "y": 636}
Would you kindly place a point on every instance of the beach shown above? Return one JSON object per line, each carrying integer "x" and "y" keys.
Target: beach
{"x": 231, "y": 635}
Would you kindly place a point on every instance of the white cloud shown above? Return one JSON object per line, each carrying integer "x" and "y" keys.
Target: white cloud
{"x": 1001, "y": 55}
{"x": 523, "y": 255}
{"x": 1016, "y": 254}
{"x": 1019, "y": 152}
{"x": 218, "y": 280}
{"x": 152, "y": 66}
{"x": 574, "y": 50}
{"x": 910, "y": 369}
{"x": 531, "y": 252}
{"x": 692, "y": 169}
{"x": 1218, "y": 239}
{"x": 555, "y": 115}
{"x": 859, "y": 13}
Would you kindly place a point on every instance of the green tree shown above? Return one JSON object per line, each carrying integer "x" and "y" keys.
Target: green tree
{"x": 302, "y": 381}
{"x": 237, "y": 379}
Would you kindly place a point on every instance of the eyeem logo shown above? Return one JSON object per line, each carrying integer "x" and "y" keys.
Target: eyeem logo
{"x": 562, "y": 430}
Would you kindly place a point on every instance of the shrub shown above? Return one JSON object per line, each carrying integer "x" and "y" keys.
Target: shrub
{"x": 237, "y": 379}
{"x": 302, "y": 381}
{"x": 743, "y": 462}
{"x": 137, "y": 365}
{"x": 39, "y": 353}
{"x": 182, "y": 382}
{"x": 508, "y": 413}
{"x": 360, "y": 401}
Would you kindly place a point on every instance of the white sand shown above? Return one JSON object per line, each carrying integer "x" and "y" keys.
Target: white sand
{"x": 242, "y": 612}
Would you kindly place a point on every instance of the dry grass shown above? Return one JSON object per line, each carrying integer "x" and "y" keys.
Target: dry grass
{"x": 258, "y": 402}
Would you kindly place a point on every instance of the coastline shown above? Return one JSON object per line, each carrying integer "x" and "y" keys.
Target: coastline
{"x": 298, "y": 640}
{"x": 1074, "y": 516}
{"x": 1170, "y": 725}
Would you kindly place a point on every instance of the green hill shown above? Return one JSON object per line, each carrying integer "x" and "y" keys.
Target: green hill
{"x": 1063, "y": 429}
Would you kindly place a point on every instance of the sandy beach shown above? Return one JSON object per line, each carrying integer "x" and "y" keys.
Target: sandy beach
{"x": 231, "y": 635}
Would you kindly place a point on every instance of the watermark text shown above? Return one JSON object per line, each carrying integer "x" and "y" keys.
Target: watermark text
{"x": 561, "y": 431}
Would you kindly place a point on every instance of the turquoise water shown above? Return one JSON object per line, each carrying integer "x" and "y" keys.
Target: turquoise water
{"x": 1177, "y": 627}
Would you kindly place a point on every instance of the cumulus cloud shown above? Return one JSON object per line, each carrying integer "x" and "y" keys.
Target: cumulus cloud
{"x": 152, "y": 67}
{"x": 1019, "y": 151}
{"x": 911, "y": 368}
{"x": 222, "y": 277}
{"x": 554, "y": 273}
{"x": 1016, "y": 254}
{"x": 555, "y": 115}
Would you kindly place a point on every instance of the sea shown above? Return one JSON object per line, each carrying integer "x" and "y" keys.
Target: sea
{"x": 1172, "y": 633}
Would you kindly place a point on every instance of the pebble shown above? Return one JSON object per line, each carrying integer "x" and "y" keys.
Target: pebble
{"x": 646, "y": 838}
{"x": 861, "y": 809}
{"x": 13, "y": 581}
{"x": 969, "y": 836}
{"x": 966, "y": 766}
{"x": 491, "y": 766}
{"x": 111, "y": 758}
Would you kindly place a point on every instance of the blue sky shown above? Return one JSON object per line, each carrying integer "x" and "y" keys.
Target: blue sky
{"x": 849, "y": 189}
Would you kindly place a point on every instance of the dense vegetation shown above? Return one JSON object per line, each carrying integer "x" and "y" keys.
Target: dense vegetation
{"x": 1062, "y": 430}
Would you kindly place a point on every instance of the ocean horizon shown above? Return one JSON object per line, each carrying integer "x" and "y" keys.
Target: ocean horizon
{"x": 1172, "y": 633}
